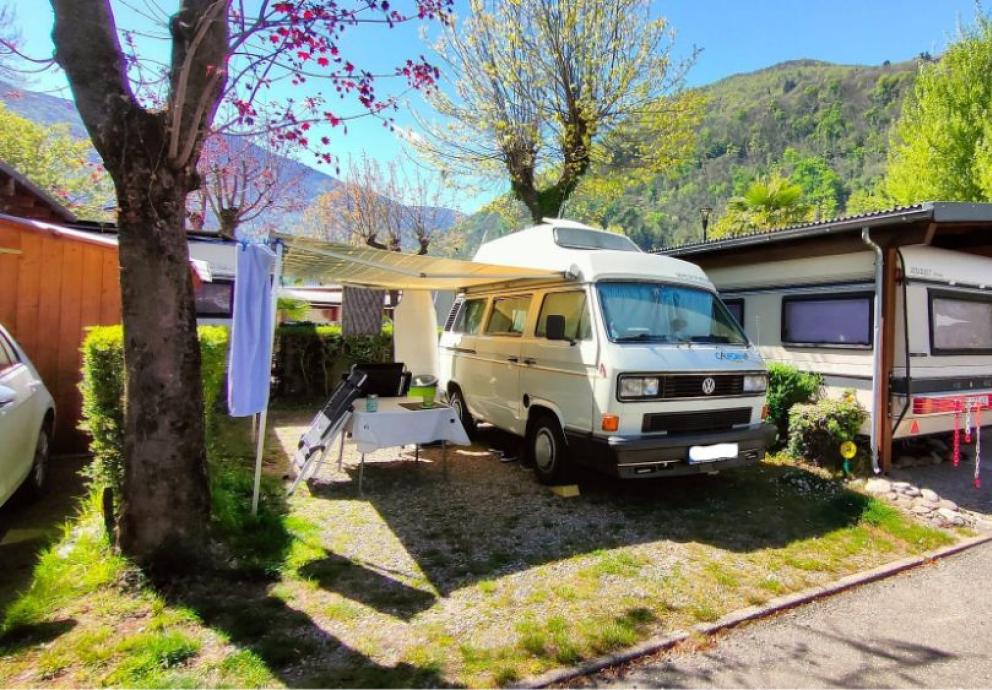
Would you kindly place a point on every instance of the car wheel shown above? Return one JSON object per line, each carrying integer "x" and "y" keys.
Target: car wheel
{"x": 457, "y": 400}
{"x": 38, "y": 477}
{"x": 547, "y": 450}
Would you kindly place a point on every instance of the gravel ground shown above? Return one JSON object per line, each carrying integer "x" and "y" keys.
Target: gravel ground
{"x": 928, "y": 628}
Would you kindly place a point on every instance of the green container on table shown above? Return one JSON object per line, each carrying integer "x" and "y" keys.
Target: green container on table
{"x": 424, "y": 386}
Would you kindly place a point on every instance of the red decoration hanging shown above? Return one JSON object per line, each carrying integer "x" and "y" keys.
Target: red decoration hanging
{"x": 956, "y": 455}
{"x": 978, "y": 446}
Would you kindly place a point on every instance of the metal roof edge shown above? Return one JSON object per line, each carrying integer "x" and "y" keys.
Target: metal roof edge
{"x": 923, "y": 211}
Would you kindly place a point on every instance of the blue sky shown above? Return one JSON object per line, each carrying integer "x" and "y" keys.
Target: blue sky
{"x": 733, "y": 35}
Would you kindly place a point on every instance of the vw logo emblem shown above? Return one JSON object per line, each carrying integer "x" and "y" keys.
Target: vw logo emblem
{"x": 709, "y": 385}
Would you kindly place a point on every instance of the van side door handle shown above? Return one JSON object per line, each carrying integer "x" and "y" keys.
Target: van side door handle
{"x": 529, "y": 361}
{"x": 513, "y": 359}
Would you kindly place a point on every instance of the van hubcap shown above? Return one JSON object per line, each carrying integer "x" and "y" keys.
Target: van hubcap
{"x": 544, "y": 450}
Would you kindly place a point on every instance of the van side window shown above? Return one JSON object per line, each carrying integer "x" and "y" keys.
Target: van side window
{"x": 469, "y": 319}
{"x": 571, "y": 305}
{"x": 509, "y": 315}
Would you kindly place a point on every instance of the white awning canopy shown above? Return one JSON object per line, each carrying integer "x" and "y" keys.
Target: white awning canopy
{"x": 328, "y": 262}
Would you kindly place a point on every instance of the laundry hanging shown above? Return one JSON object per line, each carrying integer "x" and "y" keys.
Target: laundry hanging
{"x": 249, "y": 370}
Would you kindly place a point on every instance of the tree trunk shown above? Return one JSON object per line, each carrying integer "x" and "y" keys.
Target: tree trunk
{"x": 166, "y": 501}
{"x": 361, "y": 311}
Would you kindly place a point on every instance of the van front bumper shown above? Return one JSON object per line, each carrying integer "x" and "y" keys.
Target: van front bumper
{"x": 668, "y": 456}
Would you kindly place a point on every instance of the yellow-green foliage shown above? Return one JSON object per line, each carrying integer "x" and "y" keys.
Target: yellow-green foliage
{"x": 941, "y": 147}
{"x": 103, "y": 389}
{"x": 53, "y": 160}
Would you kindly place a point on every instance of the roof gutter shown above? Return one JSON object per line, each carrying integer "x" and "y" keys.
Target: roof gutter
{"x": 876, "y": 358}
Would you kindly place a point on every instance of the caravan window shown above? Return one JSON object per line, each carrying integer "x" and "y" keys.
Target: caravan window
{"x": 215, "y": 300}
{"x": 509, "y": 315}
{"x": 736, "y": 309}
{"x": 960, "y": 323}
{"x": 571, "y": 305}
{"x": 469, "y": 318}
{"x": 831, "y": 321}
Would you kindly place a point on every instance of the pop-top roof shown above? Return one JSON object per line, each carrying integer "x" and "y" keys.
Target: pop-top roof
{"x": 554, "y": 245}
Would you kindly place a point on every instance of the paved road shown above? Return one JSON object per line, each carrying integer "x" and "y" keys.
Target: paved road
{"x": 931, "y": 627}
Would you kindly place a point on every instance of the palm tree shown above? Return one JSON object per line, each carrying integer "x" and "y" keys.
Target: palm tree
{"x": 769, "y": 203}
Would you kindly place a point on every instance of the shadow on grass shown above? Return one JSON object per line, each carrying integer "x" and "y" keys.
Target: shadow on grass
{"x": 491, "y": 519}
{"x": 34, "y": 634}
{"x": 27, "y": 528}
{"x": 237, "y": 602}
{"x": 367, "y": 586}
{"x": 291, "y": 645}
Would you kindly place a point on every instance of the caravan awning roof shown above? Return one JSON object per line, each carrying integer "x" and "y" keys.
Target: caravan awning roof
{"x": 328, "y": 262}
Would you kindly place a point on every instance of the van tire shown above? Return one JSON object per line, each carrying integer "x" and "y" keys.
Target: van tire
{"x": 457, "y": 401}
{"x": 547, "y": 450}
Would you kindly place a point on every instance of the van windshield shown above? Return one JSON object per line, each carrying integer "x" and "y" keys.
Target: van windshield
{"x": 659, "y": 313}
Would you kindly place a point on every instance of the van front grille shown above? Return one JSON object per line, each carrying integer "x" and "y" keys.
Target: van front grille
{"x": 691, "y": 385}
{"x": 695, "y": 422}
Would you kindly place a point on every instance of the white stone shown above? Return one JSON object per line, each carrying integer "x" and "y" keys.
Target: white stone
{"x": 899, "y": 486}
{"x": 878, "y": 486}
{"x": 950, "y": 505}
{"x": 947, "y": 514}
{"x": 930, "y": 495}
{"x": 921, "y": 509}
{"x": 911, "y": 491}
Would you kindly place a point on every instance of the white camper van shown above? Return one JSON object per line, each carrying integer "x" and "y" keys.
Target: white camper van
{"x": 629, "y": 363}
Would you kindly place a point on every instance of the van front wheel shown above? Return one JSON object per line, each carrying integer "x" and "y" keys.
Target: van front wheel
{"x": 457, "y": 401}
{"x": 546, "y": 444}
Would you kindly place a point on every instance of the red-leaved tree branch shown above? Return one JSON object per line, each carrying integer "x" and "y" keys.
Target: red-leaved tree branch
{"x": 148, "y": 117}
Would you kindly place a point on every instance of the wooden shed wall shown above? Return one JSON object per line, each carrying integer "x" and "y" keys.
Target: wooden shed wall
{"x": 49, "y": 294}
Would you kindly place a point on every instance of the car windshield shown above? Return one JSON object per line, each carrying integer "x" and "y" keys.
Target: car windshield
{"x": 659, "y": 313}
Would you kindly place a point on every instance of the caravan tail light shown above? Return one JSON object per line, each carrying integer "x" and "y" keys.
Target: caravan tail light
{"x": 764, "y": 412}
{"x": 611, "y": 422}
{"x": 948, "y": 405}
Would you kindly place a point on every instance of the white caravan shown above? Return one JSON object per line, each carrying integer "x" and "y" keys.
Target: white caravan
{"x": 816, "y": 313}
{"x": 630, "y": 363}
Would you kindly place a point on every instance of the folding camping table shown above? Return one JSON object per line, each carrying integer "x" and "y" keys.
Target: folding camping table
{"x": 397, "y": 422}
{"x": 402, "y": 422}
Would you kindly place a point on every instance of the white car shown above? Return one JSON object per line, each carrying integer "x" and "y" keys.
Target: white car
{"x": 27, "y": 420}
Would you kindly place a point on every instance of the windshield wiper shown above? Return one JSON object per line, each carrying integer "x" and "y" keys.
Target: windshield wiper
{"x": 642, "y": 338}
{"x": 721, "y": 339}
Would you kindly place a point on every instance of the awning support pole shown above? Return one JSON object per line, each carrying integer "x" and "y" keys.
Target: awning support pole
{"x": 264, "y": 418}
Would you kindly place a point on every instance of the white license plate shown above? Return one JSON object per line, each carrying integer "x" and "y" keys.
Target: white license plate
{"x": 719, "y": 451}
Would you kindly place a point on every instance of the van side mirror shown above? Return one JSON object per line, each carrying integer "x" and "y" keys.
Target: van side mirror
{"x": 555, "y": 327}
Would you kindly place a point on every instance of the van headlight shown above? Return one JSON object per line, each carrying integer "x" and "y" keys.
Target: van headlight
{"x": 755, "y": 383}
{"x": 638, "y": 386}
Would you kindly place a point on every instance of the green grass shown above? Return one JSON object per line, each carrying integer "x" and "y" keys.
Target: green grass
{"x": 414, "y": 587}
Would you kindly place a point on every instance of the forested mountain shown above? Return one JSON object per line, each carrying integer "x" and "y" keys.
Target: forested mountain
{"x": 825, "y": 126}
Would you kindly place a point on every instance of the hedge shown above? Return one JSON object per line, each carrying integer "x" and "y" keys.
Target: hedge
{"x": 817, "y": 430}
{"x": 309, "y": 359}
{"x": 103, "y": 394}
{"x": 787, "y": 386}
